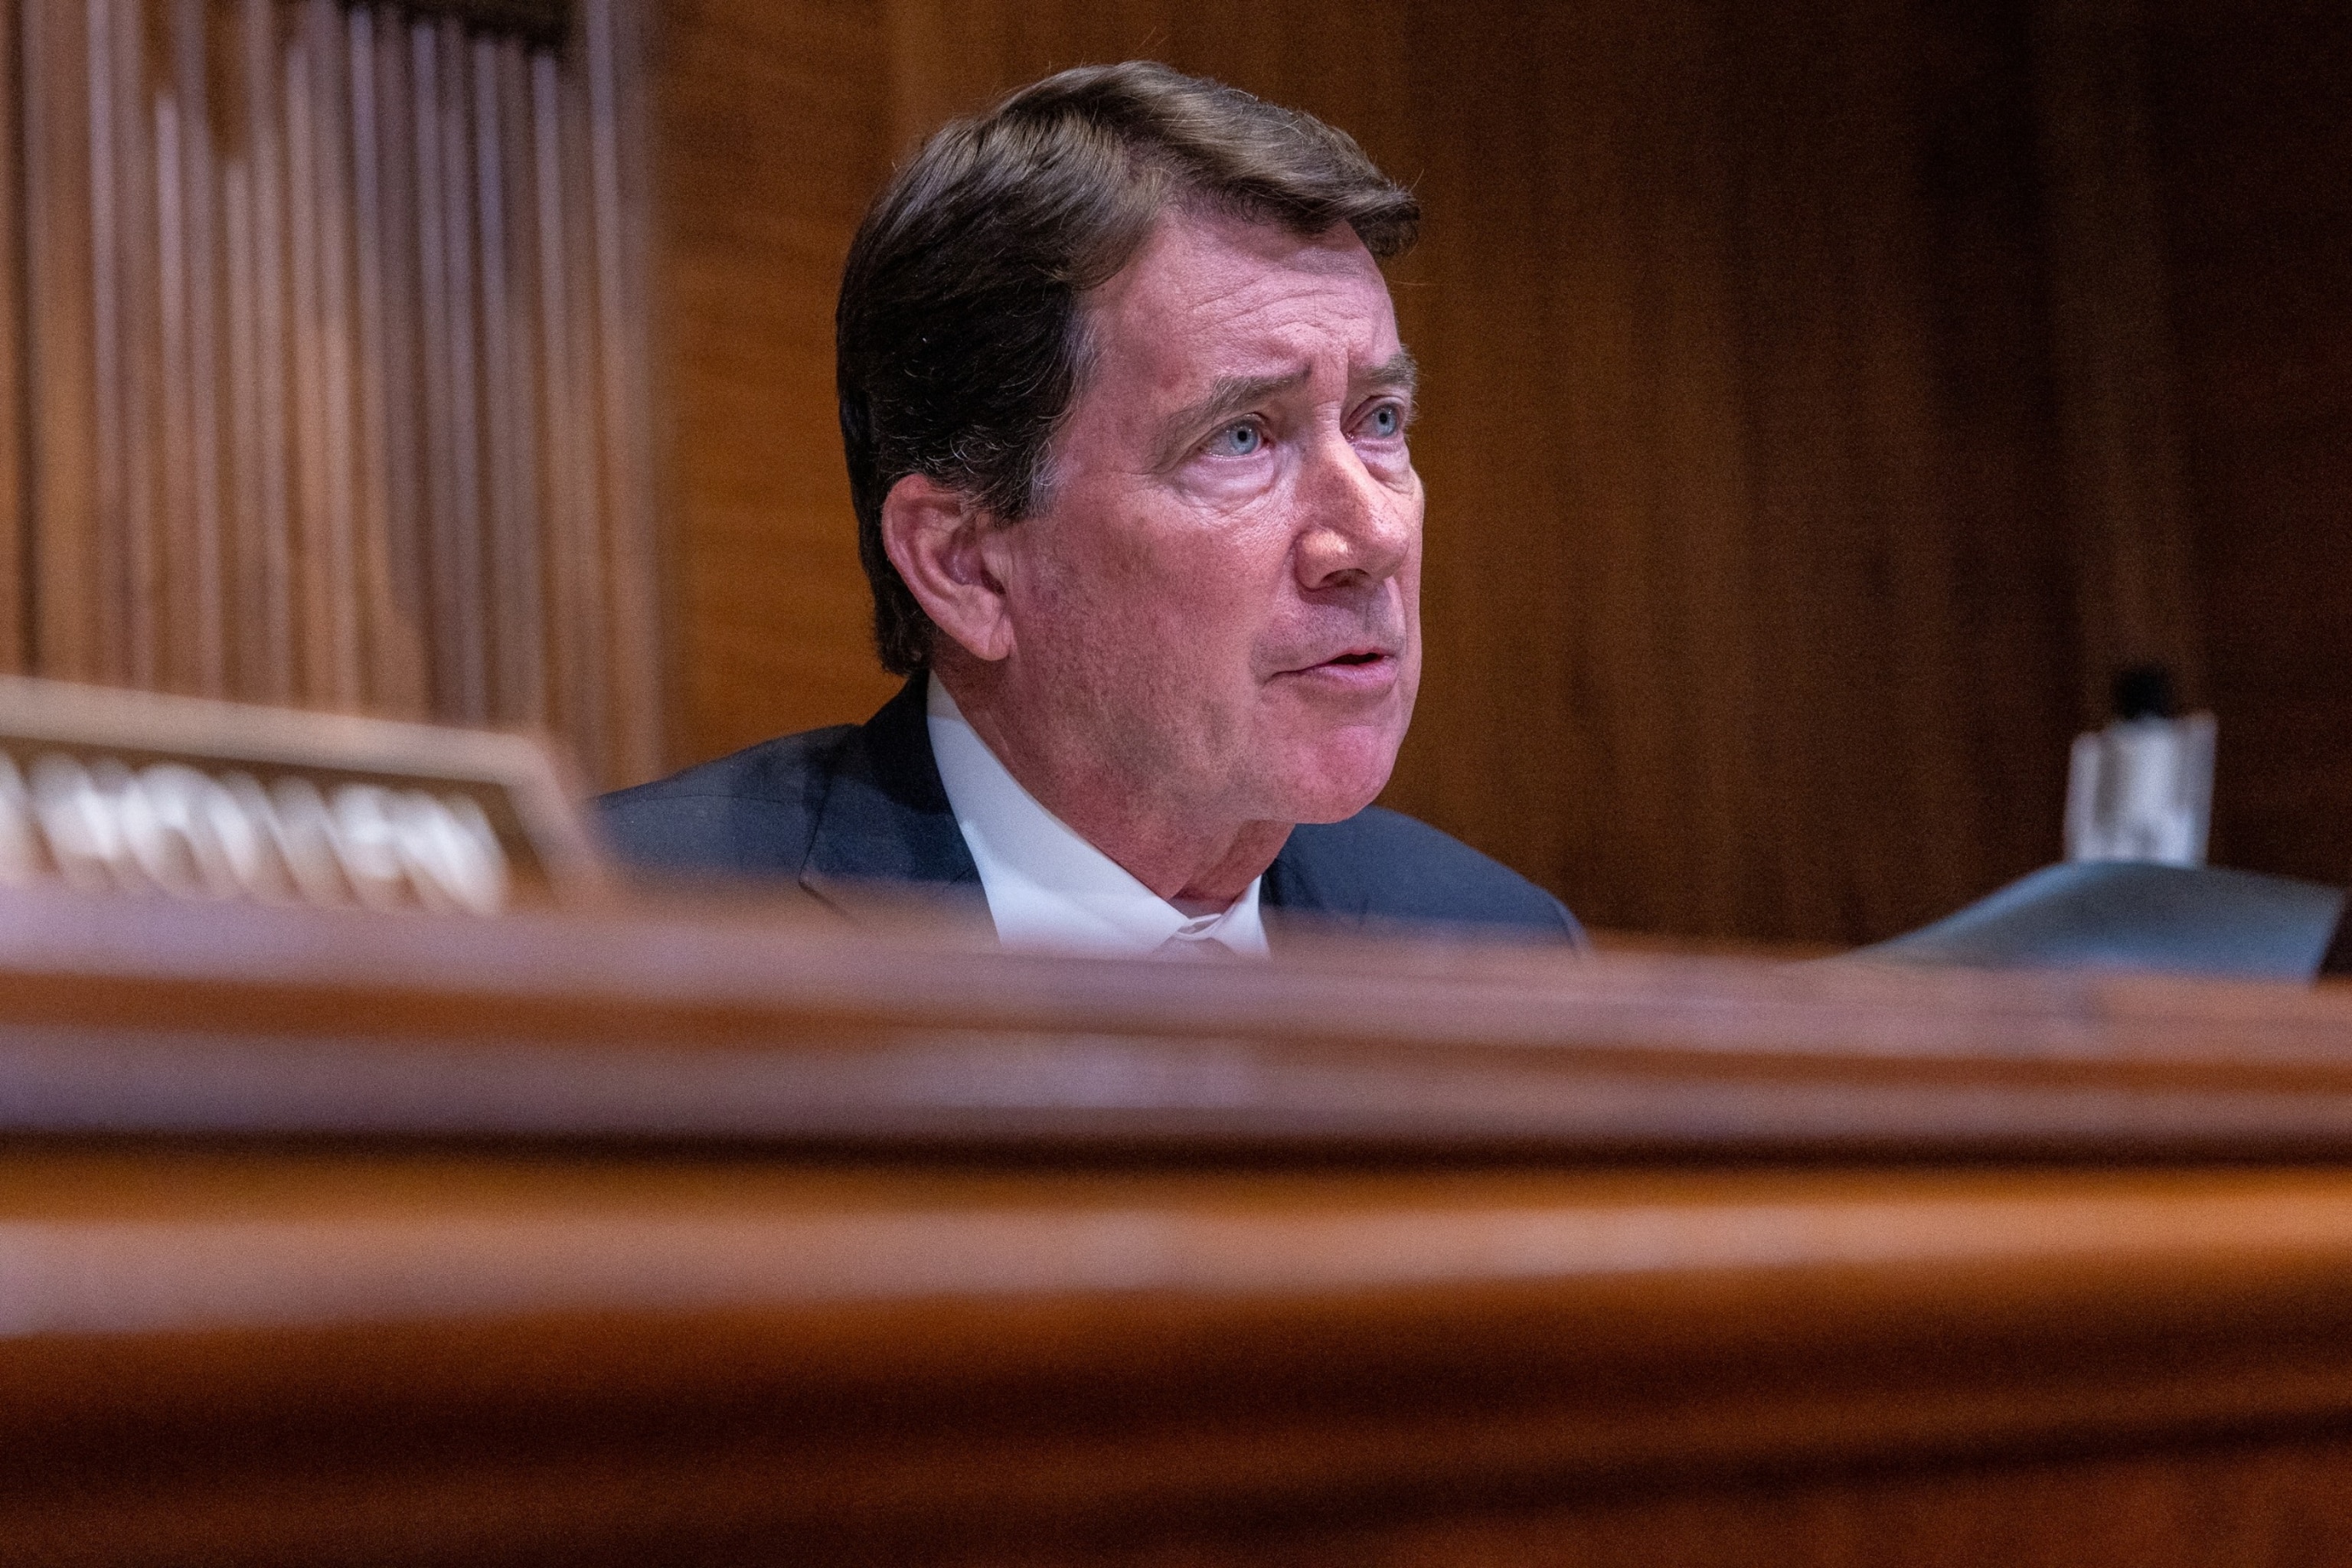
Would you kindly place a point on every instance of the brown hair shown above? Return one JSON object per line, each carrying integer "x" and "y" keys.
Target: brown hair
{"x": 958, "y": 334}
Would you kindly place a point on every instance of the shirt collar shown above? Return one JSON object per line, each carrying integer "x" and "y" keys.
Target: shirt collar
{"x": 1046, "y": 886}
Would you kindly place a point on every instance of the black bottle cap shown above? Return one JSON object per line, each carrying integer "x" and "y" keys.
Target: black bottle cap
{"x": 2145, "y": 691}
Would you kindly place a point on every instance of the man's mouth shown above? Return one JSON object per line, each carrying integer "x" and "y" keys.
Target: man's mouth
{"x": 1355, "y": 667}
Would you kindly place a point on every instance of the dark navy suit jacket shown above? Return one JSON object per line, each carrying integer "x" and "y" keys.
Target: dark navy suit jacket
{"x": 844, "y": 810}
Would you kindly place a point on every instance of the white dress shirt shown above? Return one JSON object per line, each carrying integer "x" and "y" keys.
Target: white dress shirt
{"x": 1047, "y": 886}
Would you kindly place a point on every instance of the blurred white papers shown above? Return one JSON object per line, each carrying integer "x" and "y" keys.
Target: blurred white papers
{"x": 2142, "y": 789}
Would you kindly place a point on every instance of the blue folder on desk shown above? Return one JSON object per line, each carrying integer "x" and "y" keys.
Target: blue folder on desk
{"x": 2129, "y": 915}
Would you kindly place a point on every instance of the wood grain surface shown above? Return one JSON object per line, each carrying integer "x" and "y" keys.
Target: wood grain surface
{"x": 398, "y": 1360}
{"x": 153, "y": 1017}
{"x": 697, "y": 1234}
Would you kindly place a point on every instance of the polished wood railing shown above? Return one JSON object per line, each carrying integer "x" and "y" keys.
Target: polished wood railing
{"x": 696, "y": 1235}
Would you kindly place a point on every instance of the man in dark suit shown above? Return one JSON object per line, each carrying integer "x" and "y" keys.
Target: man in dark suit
{"x": 1124, "y": 410}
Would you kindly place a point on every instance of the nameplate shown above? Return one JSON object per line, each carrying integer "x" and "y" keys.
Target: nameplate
{"x": 131, "y": 792}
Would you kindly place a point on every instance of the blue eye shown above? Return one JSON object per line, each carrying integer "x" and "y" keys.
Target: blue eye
{"x": 1387, "y": 420}
{"x": 1241, "y": 440}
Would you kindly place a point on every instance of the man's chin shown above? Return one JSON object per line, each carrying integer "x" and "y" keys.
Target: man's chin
{"x": 1333, "y": 783}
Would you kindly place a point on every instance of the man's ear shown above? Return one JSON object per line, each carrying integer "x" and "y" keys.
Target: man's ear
{"x": 934, "y": 536}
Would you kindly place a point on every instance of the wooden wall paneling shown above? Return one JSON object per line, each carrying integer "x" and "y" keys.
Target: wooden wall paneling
{"x": 204, "y": 571}
{"x": 501, "y": 521}
{"x": 612, "y": 55}
{"x": 567, "y": 191}
{"x": 470, "y": 454}
{"x": 404, "y": 660}
{"x": 1643, "y": 331}
{"x": 151, "y": 486}
{"x": 575, "y": 118}
{"x": 440, "y": 497}
{"x": 179, "y": 546}
{"x": 1694, "y": 425}
{"x": 2012, "y": 689}
{"x": 138, "y": 371}
{"x": 949, "y": 59}
{"x": 501, "y": 583}
{"x": 370, "y": 457}
{"x": 331, "y": 84}
{"x": 1855, "y": 565}
{"x": 192, "y": 44}
{"x": 271, "y": 664}
{"x": 576, "y": 651}
{"x": 509, "y": 598}
{"x": 774, "y": 133}
{"x": 319, "y": 134}
{"x": 576, "y": 182}
{"x": 1588, "y": 558}
{"x": 188, "y": 503}
{"x": 464, "y": 541}
{"x": 1486, "y": 411}
{"x": 244, "y": 590}
{"x": 16, "y": 475}
{"x": 115, "y": 609}
{"x": 323, "y": 531}
{"x": 306, "y": 144}
{"x": 387, "y": 544}
{"x": 2110, "y": 338}
{"x": 2250, "y": 140}
{"x": 946, "y": 60}
{"x": 282, "y": 273}
{"x": 525, "y": 447}
{"x": 517, "y": 95}
{"x": 107, "y": 603}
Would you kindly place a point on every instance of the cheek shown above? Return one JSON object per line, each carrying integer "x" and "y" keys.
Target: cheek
{"x": 1171, "y": 589}
{"x": 1092, "y": 604}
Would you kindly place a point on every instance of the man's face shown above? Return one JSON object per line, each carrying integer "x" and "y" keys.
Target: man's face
{"x": 1216, "y": 608}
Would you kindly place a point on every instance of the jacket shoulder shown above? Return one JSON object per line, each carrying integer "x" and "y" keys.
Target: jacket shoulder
{"x": 1385, "y": 867}
{"x": 755, "y": 810}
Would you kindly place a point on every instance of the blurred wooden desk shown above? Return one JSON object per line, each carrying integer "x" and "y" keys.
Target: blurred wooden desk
{"x": 679, "y": 1238}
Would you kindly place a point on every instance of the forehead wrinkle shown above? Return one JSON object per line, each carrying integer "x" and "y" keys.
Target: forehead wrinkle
{"x": 1242, "y": 284}
{"x": 1271, "y": 310}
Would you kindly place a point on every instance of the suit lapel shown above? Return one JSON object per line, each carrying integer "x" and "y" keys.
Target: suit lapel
{"x": 885, "y": 833}
{"x": 1304, "y": 893}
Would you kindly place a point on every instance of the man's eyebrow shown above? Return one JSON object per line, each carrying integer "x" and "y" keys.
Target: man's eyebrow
{"x": 1401, "y": 371}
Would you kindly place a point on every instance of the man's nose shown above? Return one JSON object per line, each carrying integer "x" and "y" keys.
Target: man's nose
{"x": 1356, "y": 528}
